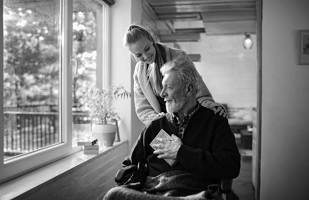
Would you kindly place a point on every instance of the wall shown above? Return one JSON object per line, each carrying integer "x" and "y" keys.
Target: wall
{"x": 285, "y": 97}
{"x": 229, "y": 70}
{"x": 124, "y": 13}
{"x": 136, "y": 124}
{"x": 89, "y": 181}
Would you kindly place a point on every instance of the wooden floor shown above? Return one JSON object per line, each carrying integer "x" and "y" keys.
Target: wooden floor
{"x": 242, "y": 185}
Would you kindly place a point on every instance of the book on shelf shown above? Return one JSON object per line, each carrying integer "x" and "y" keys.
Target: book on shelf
{"x": 84, "y": 143}
{"x": 91, "y": 151}
{"x": 88, "y": 143}
{"x": 91, "y": 147}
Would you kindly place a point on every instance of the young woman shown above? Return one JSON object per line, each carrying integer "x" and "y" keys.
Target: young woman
{"x": 150, "y": 56}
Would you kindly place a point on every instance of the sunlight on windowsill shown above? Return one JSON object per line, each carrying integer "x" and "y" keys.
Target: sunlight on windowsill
{"x": 37, "y": 178}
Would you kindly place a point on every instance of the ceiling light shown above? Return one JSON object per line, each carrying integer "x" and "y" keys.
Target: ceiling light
{"x": 247, "y": 42}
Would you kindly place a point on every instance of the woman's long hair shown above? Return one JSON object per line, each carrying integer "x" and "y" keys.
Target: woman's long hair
{"x": 135, "y": 33}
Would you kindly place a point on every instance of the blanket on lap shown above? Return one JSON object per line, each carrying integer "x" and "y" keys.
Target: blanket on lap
{"x": 177, "y": 182}
{"x": 169, "y": 185}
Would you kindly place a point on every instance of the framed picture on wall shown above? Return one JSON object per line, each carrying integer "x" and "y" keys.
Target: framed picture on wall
{"x": 303, "y": 37}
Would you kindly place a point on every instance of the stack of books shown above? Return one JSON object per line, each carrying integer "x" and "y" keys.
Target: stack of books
{"x": 89, "y": 147}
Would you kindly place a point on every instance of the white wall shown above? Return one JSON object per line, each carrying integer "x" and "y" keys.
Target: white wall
{"x": 229, "y": 70}
{"x": 285, "y": 98}
{"x": 124, "y": 13}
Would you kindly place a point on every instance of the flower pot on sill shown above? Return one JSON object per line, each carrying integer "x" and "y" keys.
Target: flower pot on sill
{"x": 104, "y": 133}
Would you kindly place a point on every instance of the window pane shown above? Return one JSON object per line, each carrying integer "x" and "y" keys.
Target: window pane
{"x": 30, "y": 75}
{"x": 87, "y": 34}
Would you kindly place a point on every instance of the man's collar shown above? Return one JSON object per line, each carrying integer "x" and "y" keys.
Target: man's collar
{"x": 187, "y": 117}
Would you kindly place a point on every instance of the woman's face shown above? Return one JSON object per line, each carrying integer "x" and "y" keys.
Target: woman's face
{"x": 143, "y": 50}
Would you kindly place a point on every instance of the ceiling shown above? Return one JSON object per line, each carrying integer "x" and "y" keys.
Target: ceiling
{"x": 184, "y": 20}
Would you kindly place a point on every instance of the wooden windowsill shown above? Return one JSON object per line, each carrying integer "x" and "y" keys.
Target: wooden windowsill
{"x": 36, "y": 179}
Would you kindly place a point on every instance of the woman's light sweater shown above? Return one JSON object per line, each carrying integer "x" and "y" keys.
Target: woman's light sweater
{"x": 146, "y": 104}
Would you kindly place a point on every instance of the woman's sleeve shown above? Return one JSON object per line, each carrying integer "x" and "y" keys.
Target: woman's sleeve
{"x": 144, "y": 110}
{"x": 204, "y": 96}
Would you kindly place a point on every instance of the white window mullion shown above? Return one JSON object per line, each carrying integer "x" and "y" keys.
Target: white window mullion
{"x": 1, "y": 89}
{"x": 106, "y": 73}
{"x": 66, "y": 73}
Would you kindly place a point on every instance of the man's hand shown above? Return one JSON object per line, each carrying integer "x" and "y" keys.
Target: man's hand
{"x": 168, "y": 149}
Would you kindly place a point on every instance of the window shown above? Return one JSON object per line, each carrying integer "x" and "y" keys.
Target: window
{"x": 86, "y": 35}
{"x": 52, "y": 48}
{"x": 30, "y": 78}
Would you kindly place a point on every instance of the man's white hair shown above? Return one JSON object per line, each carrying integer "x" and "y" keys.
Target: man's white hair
{"x": 185, "y": 70}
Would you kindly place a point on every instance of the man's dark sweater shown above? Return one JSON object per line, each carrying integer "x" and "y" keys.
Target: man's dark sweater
{"x": 209, "y": 148}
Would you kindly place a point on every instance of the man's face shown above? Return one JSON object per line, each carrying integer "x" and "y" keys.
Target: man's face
{"x": 173, "y": 92}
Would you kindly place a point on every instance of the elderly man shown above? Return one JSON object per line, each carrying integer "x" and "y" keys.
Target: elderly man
{"x": 185, "y": 151}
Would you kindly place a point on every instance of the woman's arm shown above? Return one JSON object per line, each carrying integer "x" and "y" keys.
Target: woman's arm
{"x": 144, "y": 110}
{"x": 204, "y": 96}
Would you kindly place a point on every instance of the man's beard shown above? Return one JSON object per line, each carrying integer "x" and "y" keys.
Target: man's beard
{"x": 173, "y": 107}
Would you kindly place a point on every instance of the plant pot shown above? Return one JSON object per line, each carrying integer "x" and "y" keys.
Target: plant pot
{"x": 105, "y": 133}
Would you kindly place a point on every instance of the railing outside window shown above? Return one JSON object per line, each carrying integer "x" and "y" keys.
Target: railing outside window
{"x": 28, "y": 131}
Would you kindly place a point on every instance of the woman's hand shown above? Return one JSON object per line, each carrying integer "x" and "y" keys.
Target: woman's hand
{"x": 158, "y": 116}
{"x": 220, "y": 110}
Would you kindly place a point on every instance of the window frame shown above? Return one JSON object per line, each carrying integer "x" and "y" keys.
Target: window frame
{"x": 12, "y": 168}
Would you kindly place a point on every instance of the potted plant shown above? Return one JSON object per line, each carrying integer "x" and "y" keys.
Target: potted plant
{"x": 99, "y": 104}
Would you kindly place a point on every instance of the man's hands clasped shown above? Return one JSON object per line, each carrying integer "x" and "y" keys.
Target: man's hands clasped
{"x": 168, "y": 149}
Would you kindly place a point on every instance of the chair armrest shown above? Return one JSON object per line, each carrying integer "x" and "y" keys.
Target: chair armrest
{"x": 226, "y": 185}
{"x": 227, "y": 192}
{"x": 124, "y": 174}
